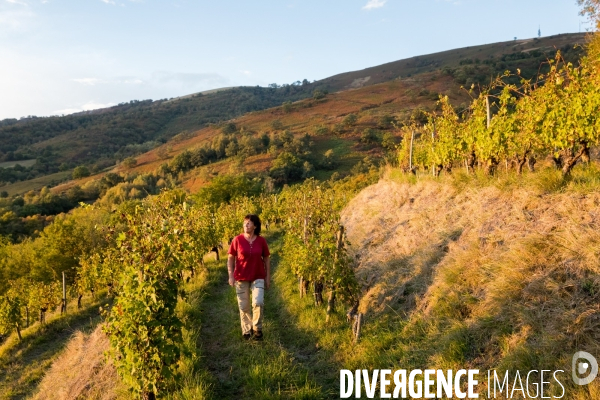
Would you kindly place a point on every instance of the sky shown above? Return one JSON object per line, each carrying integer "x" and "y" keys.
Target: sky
{"x": 63, "y": 56}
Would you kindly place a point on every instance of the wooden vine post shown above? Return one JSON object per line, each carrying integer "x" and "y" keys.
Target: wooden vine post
{"x": 63, "y": 307}
{"x": 412, "y": 138}
{"x": 487, "y": 104}
{"x": 433, "y": 140}
{"x": 303, "y": 284}
{"x": 340, "y": 245}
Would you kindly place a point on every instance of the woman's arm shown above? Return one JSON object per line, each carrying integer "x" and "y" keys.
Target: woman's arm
{"x": 267, "y": 261}
{"x": 230, "y": 268}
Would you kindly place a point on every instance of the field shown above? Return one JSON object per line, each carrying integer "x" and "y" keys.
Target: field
{"x": 37, "y": 183}
{"x": 22, "y": 163}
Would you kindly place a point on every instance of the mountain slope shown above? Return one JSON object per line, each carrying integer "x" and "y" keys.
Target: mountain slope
{"x": 100, "y": 138}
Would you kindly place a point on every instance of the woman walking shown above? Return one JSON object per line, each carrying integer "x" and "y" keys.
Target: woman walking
{"x": 250, "y": 274}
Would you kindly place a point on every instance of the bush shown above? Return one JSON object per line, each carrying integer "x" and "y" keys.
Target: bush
{"x": 286, "y": 168}
{"x": 80, "y": 172}
{"x": 277, "y": 125}
{"x": 370, "y": 136}
{"x": 388, "y": 141}
{"x": 229, "y": 128}
{"x": 350, "y": 120}
{"x": 318, "y": 94}
{"x": 287, "y": 107}
{"x": 322, "y": 131}
{"x": 130, "y": 162}
{"x": 225, "y": 188}
{"x": 386, "y": 121}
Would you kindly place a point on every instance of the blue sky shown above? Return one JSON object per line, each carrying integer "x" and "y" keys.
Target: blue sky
{"x": 63, "y": 56}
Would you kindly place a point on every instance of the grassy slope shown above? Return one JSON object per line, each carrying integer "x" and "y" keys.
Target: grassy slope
{"x": 398, "y": 98}
{"x": 22, "y": 365}
{"x": 36, "y": 183}
{"x": 430, "y": 62}
{"x": 462, "y": 271}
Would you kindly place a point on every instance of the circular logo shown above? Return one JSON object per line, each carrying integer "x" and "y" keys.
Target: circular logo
{"x": 583, "y": 363}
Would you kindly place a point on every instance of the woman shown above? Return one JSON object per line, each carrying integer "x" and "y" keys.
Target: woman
{"x": 250, "y": 273}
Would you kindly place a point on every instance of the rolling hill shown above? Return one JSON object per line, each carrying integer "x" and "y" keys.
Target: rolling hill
{"x": 102, "y": 138}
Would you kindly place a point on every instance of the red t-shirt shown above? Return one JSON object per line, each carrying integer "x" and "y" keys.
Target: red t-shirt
{"x": 249, "y": 264}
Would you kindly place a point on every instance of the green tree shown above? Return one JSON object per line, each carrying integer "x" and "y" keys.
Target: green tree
{"x": 286, "y": 168}
{"x": 80, "y": 172}
{"x": 370, "y": 136}
{"x": 130, "y": 162}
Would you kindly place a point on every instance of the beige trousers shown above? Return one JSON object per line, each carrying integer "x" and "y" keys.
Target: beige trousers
{"x": 247, "y": 291}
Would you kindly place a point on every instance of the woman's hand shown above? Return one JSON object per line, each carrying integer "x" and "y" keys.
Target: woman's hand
{"x": 230, "y": 268}
{"x": 267, "y": 283}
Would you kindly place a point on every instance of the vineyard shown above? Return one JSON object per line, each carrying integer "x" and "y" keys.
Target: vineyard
{"x": 470, "y": 252}
{"x": 513, "y": 125}
{"x": 159, "y": 244}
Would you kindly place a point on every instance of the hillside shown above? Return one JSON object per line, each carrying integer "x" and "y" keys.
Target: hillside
{"x": 455, "y": 273}
{"x": 471, "y": 226}
{"x": 485, "y": 60}
{"x": 398, "y": 100}
{"x": 101, "y": 138}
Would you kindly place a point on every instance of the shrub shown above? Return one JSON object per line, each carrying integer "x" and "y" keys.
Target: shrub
{"x": 350, "y": 120}
{"x": 80, "y": 172}
{"x": 130, "y": 162}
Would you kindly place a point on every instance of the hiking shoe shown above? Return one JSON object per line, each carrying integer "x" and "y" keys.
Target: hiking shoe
{"x": 247, "y": 336}
{"x": 258, "y": 335}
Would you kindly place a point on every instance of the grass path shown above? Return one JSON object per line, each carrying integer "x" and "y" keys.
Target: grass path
{"x": 22, "y": 365}
{"x": 287, "y": 364}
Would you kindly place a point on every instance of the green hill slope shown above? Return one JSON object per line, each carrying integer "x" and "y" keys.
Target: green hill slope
{"x": 102, "y": 137}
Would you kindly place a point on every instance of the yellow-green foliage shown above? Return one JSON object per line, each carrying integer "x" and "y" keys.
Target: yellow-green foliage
{"x": 57, "y": 249}
{"x": 555, "y": 115}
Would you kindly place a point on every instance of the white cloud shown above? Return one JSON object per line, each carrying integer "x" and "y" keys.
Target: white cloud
{"x": 89, "y": 106}
{"x": 189, "y": 80}
{"x": 18, "y": 2}
{"x": 247, "y": 73}
{"x": 109, "y": 2}
{"x": 15, "y": 19}
{"x": 371, "y": 4}
{"x": 119, "y": 80}
{"x": 87, "y": 81}
{"x": 66, "y": 111}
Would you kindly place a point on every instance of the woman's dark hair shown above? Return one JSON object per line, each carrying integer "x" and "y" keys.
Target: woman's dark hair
{"x": 256, "y": 221}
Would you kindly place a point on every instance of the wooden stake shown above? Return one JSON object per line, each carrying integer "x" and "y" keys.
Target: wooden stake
{"x": 412, "y": 137}
{"x": 432, "y": 140}
{"x": 358, "y": 325}
{"x": 487, "y": 102}
{"x": 64, "y": 298}
{"x": 331, "y": 300}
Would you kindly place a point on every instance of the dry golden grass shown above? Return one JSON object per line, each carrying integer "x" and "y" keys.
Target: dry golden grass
{"x": 484, "y": 277}
{"x": 81, "y": 372}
